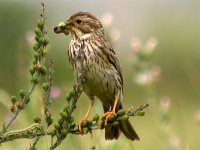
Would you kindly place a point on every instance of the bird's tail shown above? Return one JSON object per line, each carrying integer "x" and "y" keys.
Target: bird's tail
{"x": 113, "y": 132}
{"x": 127, "y": 129}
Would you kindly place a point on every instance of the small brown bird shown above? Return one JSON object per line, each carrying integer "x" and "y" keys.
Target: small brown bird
{"x": 100, "y": 67}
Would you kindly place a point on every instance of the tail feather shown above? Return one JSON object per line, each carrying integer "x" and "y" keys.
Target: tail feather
{"x": 128, "y": 130}
{"x": 113, "y": 132}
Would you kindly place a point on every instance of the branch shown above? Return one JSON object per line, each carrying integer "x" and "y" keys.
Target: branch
{"x": 37, "y": 130}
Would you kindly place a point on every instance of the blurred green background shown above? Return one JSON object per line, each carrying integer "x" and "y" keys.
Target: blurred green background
{"x": 176, "y": 27}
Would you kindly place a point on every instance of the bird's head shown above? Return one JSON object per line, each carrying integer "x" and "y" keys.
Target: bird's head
{"x": 80, "y": 24}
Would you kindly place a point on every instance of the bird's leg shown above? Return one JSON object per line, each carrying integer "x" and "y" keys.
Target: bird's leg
{"x": 86, "y": 116}
{"x": 112, "y": 112}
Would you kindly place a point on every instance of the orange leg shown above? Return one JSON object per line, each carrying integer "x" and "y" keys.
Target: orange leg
{"x": 86, "y": 117}
{"x": 112, "y": 112}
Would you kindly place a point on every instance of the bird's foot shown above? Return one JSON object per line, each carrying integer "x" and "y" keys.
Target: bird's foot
{"x": 83, "y": 123}
{"x": 107, "y": 115}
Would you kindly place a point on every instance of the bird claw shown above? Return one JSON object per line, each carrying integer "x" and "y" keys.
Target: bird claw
{"x": 84, "y": 122}
{"x": 107, "y": 115}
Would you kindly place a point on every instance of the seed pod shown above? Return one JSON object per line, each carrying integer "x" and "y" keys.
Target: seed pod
{"x": 46, "y": 41}
{"x": 37, "y": 31}
{"x": 111, "y": 118}
{"x": 57, "y": 126}
{"x": 13, "y": 99}
{"x": 85, "y": 130}
{"x": 64, "y": 133}
{"x": 68, "y": 97}
{"x": 71, "y": 120}
{"x": 35, "y": 62}
{"x": 66, "y": 109}
{"x": 37, "y": 38}
{"x": 64, "y": 115}
{"x": 121, "y": 112}
{"x": 141, "y": 113}
{"x": 19, "y": 105}
{"x": 60, "y": 121}
{"x": 36, "y": 46}
{"x": 101, "y": 124}
{"x": 37, "y": 66}
{"x": 36, "y": 55}
{"x": 37, "y": 120}
{"x": 125, "y": 117}
{"x": 44, "y": 52}
{"x": 73, "y": 125}
{"x": 27, "y": 100}
{"x": 71, "y": 92}
{"x": 43, "y": 70}
{"x": 32, "y": 71}
{"x": 49, "y": 121}
{"x": 40, "y": 23}
{"x": 84, "y": 123}
{"x": 115, "y": 123}
{"x": 35, "y": 80}
{"x": 41, "y": 40}
{"x": 53, "y": 133}
{"x": 95, "y": 118}
{"x": 22, "y": 93}
{"x": 45, "y": 86}
{"x": 12, "y": 108}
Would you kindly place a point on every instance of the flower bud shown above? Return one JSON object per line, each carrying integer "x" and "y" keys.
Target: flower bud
{"x": 95, "y": 118}
{"x": 111, "y": 118}
{"x": 64, "y": 133}
{"x": 36, "y": 55}
{"x": 19, "y": 105}
{"x": 140, "y": 113}
{"x": 13, "y": 99}
{"x": 121, "y": 112}
{"x": 40, "y": 23}
{"x": 125, "y": 117}
{"x": 36, "y": 46}
{"x": 85, "y": 130}
{"x": 35, "y": 80}
{"x": 43, "y": 70}
{"x": 115, "y": 123}
{"x": 37, "y": 120}
{"x": 101, "y": 124}
{"x": 45, "y": 86}
{"x": 84, "y": 123}
{"x": 12, "y": 108}
{"x": 32, "y": 71}
{"x": 37, "y": 31}
{"x": 22, "y": 93}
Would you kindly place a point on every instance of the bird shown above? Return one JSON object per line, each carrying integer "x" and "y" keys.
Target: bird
{"x": 99, "y": 66}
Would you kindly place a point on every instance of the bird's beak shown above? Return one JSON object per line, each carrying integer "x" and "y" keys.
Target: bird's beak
{"x": 63, "y": 28}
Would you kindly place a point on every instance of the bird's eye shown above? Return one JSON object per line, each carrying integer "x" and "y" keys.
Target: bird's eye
{"x": 78, "y": 21}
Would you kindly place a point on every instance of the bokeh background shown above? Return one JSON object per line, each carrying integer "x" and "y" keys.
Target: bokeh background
{"x": 168, "y": 30}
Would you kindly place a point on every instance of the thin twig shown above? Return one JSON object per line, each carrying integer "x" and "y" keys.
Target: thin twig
{"x": 15, "y": 114}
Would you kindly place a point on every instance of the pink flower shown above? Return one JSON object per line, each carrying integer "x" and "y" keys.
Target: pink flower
{"x": 55, "y": 92}
{"x": 30, "y": 37}
{"x": 115, "y": 35}
{"x": 197, "y": 116}
{"x": 136, "y": 45}
{"x": 107, "y": 19}
{"x": 151, "y": 43}
{"x": 165, "y": 104}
